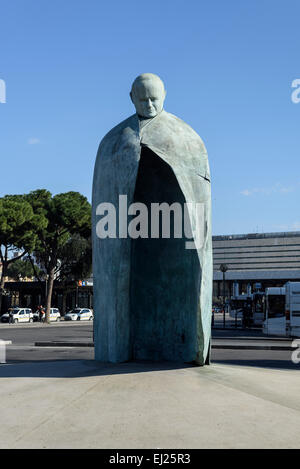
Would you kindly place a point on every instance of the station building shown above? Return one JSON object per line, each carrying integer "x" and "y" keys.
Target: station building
{"x": 271, "y": 259}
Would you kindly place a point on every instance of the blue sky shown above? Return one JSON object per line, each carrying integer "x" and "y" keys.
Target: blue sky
{"x": 228, "y": 68}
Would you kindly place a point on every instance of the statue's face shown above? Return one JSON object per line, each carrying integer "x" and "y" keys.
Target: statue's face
{"x": 148, "y": 97}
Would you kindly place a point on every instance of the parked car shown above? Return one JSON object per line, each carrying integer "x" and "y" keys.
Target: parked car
{"x": 18, "y": 315}
{"x": 54, "y": 315}
{"x": 79, "y": 314}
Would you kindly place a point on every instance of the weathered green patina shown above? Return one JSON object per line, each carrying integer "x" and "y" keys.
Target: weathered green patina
{"x": 152, "y": 297}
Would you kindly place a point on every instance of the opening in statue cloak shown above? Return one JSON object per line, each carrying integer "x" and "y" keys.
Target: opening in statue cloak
{"x": 165, "y": 276}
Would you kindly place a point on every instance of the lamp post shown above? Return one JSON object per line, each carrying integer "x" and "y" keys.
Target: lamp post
{"x": 78, "y": 283}
{"x": 223, "y": 269}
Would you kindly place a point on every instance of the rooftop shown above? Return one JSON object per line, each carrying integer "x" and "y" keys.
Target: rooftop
{"x": 281, "y": 234}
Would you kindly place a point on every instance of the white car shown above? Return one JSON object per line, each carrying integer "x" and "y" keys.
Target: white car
{"x": 18, "y": 315}
{"x": 54, "y": 315}
{"x": 79, "y": 314}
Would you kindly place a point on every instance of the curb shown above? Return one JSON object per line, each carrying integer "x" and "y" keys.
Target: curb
{"x": 254, "y": 347}
{"x": 216, "y": 346}
{"x": 254, "y": 338}
{"x": 64, "y": 344}
{"x": 232, "y": 328}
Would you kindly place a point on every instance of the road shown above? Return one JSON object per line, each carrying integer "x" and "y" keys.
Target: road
{"x": 24, "y": 336}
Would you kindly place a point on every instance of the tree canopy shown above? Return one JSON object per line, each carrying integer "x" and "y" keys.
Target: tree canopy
{"x": 53, "y": 230}
{"x": 66, "y": 215}
{"x": 22, "y": 268}
{"x": 18, "y": 232}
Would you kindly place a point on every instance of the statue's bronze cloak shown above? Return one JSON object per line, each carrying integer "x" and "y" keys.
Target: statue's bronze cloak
{"x": 182, "y": 151}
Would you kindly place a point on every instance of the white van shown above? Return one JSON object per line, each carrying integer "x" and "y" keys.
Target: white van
{"x": 18, "y": 315}
{"x": 275, "y": 318}
{"x": 283, "y": 310}
{"x": 292, "y": 307}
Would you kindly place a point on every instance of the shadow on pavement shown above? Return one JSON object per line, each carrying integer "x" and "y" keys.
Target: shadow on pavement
{"x": 73, "y": 368}
{"x": 81, "y": 368}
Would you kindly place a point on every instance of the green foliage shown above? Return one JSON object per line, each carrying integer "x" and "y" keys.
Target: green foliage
{"x": 56, "y": 229}
{"x": 18, "y": 231}
{"x": 75, "y": 259}
{"x": 16, "y": 223}
{"x": 62, "y": 216}
{"x": 21, "y": 268}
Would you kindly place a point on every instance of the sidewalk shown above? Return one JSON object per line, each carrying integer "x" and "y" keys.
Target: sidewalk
{"x": 252, "y": 343}
{"x": 251, "y": 339}
{"x": 84, "y": 404}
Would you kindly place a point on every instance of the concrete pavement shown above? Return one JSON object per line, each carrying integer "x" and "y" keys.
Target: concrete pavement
{"x": 84, "y": 404}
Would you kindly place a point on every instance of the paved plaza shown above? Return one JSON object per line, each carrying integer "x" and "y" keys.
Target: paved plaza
{"x": 59, "y": 397}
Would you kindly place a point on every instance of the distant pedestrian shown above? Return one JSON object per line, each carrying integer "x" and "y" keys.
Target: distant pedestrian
{"x": 41, "y": 313}
{"x": 11, "y": 316}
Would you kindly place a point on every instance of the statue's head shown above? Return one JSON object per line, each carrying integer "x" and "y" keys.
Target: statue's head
{"x": 148, "y": 94}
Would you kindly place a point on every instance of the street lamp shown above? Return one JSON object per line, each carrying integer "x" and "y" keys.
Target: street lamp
{"x": 223, "y": 269}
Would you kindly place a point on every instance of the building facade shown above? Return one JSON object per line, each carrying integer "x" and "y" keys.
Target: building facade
{"x": 32, "y": 294}
{"x": 270, "y": 259}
